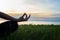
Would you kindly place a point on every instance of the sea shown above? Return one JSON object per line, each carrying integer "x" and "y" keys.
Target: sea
{"x": 34, "y": 20}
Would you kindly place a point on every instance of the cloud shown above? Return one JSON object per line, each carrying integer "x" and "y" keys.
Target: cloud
{"x": 37, "y": 4}
{"x": 45, "y": 5}
{"x": 30, "y": 5}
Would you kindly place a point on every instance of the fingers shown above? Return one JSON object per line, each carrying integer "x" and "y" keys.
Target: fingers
{"x": 28, "y": 17}
{"x": 24, "y": 14}
{"x": 25, "y": 17}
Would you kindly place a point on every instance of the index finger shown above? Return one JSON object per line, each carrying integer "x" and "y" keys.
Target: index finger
{"x": 24, "y": 14}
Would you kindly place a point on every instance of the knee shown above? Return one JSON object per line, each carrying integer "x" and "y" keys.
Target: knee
{"x": 8, "y": 27}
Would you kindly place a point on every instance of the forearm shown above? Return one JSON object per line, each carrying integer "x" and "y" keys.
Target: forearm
{"x": 7, "y": 17}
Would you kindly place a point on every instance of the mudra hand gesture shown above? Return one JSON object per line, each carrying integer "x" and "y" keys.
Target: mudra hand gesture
{"x": 7, "y": 17}
{"x": 24, "y": 17}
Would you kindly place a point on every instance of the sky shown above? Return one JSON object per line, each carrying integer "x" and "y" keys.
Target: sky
{"x": 47, "y": 9}
{"x": 50, "y": 8}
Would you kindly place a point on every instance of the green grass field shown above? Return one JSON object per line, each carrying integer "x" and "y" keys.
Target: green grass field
{"x": 35, "y": 32}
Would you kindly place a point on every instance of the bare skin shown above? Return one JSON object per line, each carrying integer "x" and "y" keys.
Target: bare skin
{"x": 20, "y": 19}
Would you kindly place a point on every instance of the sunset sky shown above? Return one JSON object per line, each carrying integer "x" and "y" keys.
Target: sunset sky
{"x": 44, "y": 7}
{"x": 30, "y": 5}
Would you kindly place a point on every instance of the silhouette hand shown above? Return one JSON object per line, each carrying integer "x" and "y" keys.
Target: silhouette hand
{"x": 24, "y": 17}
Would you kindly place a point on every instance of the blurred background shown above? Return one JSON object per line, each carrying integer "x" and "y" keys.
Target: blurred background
{"x": 42, "y": 11}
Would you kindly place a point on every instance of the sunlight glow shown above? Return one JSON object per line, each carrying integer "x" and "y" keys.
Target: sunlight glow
{"x": 43, "y": 7}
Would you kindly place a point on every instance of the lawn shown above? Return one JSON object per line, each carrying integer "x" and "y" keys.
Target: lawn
{"x": 35, "y": 32}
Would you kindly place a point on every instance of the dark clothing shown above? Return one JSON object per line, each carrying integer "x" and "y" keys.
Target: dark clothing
{"x": 8, "y": 27}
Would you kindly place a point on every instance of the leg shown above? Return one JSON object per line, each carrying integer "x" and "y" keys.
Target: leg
{"x": 8, "y": 27}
